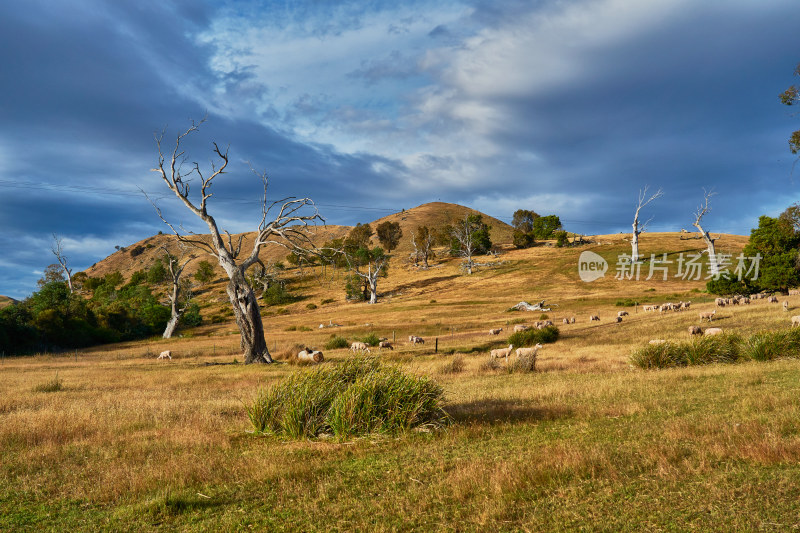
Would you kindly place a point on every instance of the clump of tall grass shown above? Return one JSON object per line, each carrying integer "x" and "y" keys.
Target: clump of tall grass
{"x": 763, "y": 346}
{"x": 453, "y": 366}
{"x": 357, "y": 397}
{"x": 531, "y": 337}
{"x": 336, "y": 342}
{"x": 521, "y": 363}
{"x": 54, "y": 385}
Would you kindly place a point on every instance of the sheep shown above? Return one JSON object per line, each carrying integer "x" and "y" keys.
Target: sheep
{"x": 796, "y": 320}
{"x": 310, "y": 355}
{"x": 720, "y": 302}
{"x": 166, "y": 354}
{"x": 502, "y": 352}
{"x": 707, "y": 315}
{"x": 521, "y": 327}
{"x": 695, "y": 330}
{"x": 385, "y": 344}
{"x": 495, "y": 331}
{"x": 621, "y": 314}
{"x": 359, "y": 347}
{"x": 523, "y": 352}
{"x": 594, "y": 318}
{"x": 572, "y": 320}
{"x": 657, "y": 341}
{"x": 648, "y": 308}
{"x": 794, "y": 292}
{"x": 785, "y": 305}
{"x": 544, "y": 324}
{"x": 566, "y": 321}
{"x": 618, "y": 319}
{"x": 686, "y": 305}
{"x": 413, "y": 339}
{"x": 713, "y": 331}
{"x": 772, "y": 299}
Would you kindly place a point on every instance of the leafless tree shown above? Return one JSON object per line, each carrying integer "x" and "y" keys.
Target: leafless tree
{"x": 286, "y": 228}
{"x": 376, "y": 265}
{"x": 177, "y": 295}
{"x": 422, "y": 239}
{"x": 698, "y": 215}
{"x": 637, "y": 227}
{"x": 58, "y": 251}
{"x": 464, "y": 232}
{"x": 264, "y": 275}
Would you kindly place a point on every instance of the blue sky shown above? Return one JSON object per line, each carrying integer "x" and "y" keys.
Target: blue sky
{"x": 565, "y": 107}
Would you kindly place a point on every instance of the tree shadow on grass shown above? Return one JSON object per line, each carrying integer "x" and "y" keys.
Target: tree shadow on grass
{"x": 503, "y": 412}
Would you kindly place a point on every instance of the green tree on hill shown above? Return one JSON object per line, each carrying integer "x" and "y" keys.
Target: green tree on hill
{"x": 389, "y": 234}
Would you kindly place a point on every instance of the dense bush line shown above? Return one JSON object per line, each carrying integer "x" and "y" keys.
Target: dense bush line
{"x": 534, "y": 336}
{"x": 764, "y": 346}
{"x": 357, "y": 397}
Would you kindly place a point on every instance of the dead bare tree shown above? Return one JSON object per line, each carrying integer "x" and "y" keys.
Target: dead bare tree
{"x": 177, "y": 295}
{"x": 58, "y": 251}
{"x": 264, "y": 275}
{"x": 465, "y": 231}
{"x": 376, "y": 265}
{"x": 286, "y": 228}
{"x": 637, "y": 227}
{"x": 701, "y": 211}
{"x": 422, "y": 239}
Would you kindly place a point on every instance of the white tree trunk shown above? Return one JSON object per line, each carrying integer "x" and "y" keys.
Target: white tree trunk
{"x": 634, "y": 244}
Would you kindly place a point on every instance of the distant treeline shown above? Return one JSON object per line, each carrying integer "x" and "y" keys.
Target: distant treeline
{"x": 101, "y": 310}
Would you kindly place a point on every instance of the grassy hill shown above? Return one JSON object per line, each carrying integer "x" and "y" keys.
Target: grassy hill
{"x": 124, "y": 441}
{"x": 5, "y": 301}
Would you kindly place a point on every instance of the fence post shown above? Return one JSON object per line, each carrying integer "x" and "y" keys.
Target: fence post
{"x": 436, "y": 349}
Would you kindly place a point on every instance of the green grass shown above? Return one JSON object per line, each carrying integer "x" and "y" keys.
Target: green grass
{"x": 336, "y": 342}
{"x": 54, "y": 385}
{"x": 534, "y": 336}
{"x": 356, "y": 397}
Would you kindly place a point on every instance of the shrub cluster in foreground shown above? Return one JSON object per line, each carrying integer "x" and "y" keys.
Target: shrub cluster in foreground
{"x": 531, "y": 337}
{"x": 764, "y": 346}
{"x": 356, "y": 397}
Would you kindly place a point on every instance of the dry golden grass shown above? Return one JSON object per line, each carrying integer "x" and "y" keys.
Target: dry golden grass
{"x": 587, "y": 442}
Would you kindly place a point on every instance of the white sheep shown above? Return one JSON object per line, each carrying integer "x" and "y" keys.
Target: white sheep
{"x": 796, "y": 320}
{"x": 495, "y": 331}
{"x": 566, "y": 321}
{"x": 359, "y": 347}
{"x": 594, "y": 318}
{"x": 622, "y": 313}
{"x": 166, "y": 354}
{"x": 695, "y": 330}
{"x": 521, "y": 327}
{"x": 708, "y": 315}
{"x": 385, "y": 344}
{"x": 657, "y": 341}
{"x": 772, "y": 299}
{"x": 785, "y": 305}
{"x": 416, "y": 340}
{"x": 502, "y": 352}
{"x": 713, "y": 331}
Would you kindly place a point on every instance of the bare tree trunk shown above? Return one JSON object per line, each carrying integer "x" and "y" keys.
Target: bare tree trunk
{"x": 175, "y": 271}
{"x": 62, "y": 260}
{"x": 638, "y": 229}
{"x": 248, "y": 318}
{"x": 713, "y": 265}
{"x": 171, "y": 325}
{"x": 373, "y": 285}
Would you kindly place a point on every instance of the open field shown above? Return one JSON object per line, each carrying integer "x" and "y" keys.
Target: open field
{"x": 109, "y": 438}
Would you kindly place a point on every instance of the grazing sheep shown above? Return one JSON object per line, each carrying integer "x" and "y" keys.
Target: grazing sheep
{"x": 521, "y": 327}
{"x": 794, "y": 292}
{"x": 657, "y": 341}
{"x": 310, "y": 355}
{"x": 413, "y": 339}
{"x": 572, "y": 320}
{"x": 796, "y": 320}
{"x": 617, "y": 319}
{"x": 785, "y": 305}
{"x": 720, "y": 302}
{"x": 502, "y": 352}
{"x": 385, "y": 344}
{"x": 648, "y": 308}
{"x": 695, "y": 330}
{"x": 713, "y": 331}
{"x": 566, "y": 321}
{"x": 685, "y": 305}
{"x": 544, "y": 324}
{"x": 495, "y": 331}
{"x": 166, "y": 354}
{"x": 593, "y": 318}
{"x": 772, "y": 299}
{"x": 707, "y": 315}
{"x": 359, "y": 347}
{"x": 622, "y": 313}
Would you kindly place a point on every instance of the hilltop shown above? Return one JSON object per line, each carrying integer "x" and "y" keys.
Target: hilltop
{"x": 5, "y": 301}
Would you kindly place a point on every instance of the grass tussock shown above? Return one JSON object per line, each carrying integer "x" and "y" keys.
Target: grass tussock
{"x": 532, "y": 337}
{"x": 455, "y": 365}
{"x": 357, "y": 397}
{"x": 336, "y": 342}
{"x": 762, "y": 346}
{"x": 54, "y": 385}
{"x": 523, "y": 364}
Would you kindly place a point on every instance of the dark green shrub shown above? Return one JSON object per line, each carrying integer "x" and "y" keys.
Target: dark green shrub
{"x": 336, "y": 342}
{"x": 531, "y": 337}
{"x": 191, "y": 316}
{"x": 370, "y": 339}
{"x": 311, "y": 306}
{"x": 357, "y": 397}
